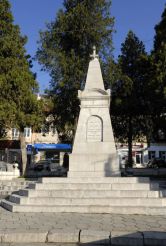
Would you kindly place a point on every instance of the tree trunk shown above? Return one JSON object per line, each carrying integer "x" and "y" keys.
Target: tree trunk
{"x": 23, "y": 153}
{"x": 130, "y": 139}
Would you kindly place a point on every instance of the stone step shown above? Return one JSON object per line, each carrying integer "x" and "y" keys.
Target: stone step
{"x": 87, "y": 201}
{"x": 84, "y": 209}
{"x": 15, "y": 183}
{"x": 110, "y": 180}
{"x": 97, "y": 186}
{"x": 12, "y": 187}
{"x": 8, "y": 187}
{"x": 91, "y": 193}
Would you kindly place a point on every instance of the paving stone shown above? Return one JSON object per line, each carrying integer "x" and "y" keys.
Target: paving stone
{"x": 92, "y": 222}
{"x": 126, "y": 238}
{"x": 63, "y": 236}
{"x": 95, "y": 237}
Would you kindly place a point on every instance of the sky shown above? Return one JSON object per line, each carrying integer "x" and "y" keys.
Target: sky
{"x": 140, "y": 16}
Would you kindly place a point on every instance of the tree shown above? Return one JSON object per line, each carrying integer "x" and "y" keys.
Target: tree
{"x": 64, "y": 50}
{"x": 130, "y": 92}
{"x": 18, "y": 105}
{"x": 159, "y": 60}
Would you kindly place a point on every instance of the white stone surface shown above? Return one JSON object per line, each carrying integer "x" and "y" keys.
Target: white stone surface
{"x": 24, "y": 236}
{"x": 94, "y": 153}
{"x": 108, "y": 201}
{"x": 110, "y": 180}
{"x": 9, "y": 175}
{"x": 97, "y": 186}
{"x": 90, "y": 193}
{"x": 158, "y": 210}
{"x": 63, "y": 236}
{"x": 120, "y": 195}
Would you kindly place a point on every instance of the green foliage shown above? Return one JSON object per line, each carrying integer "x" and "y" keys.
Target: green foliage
{"x": 130, "y": 101}
{"x": 18, "y": 104}
{"x": 159, "y": 56}
{"x": 159, "y": 80}
{"x": 64, "y": 50}
{"x": 139, "y": 90}
{"x": 160, "y": 28}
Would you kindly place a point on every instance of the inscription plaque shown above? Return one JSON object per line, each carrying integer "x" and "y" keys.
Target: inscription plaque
{"x": 94, "y": 129}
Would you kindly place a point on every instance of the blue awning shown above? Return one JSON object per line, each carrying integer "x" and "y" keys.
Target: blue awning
{"x": 44, "y": 146}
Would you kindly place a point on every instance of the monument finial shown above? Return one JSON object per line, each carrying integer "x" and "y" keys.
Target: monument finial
{"x": 94, "y": 55}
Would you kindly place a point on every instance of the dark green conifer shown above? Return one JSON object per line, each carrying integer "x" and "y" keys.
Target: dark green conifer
{"x": 130, "y": 92}
{"x": 18, "y": 103}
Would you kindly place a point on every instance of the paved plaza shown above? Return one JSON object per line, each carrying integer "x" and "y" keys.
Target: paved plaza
{"x": 45, "y": 228}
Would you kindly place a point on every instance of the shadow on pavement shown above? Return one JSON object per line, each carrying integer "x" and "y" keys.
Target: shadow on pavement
{"x": 145, "y": 238}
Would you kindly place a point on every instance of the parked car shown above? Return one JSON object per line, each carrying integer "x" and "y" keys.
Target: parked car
{"x": 41, "y": 165}
{"x": 156, "y": 163}
{"x": 38, "y": 167}
{"x": 61, "y": 172}
{"x": 50, "y": 166}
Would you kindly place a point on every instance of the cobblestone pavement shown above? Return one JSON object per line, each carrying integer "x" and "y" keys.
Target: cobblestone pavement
{"x": 18, "y": 228}
{"x": 102, "y": 222}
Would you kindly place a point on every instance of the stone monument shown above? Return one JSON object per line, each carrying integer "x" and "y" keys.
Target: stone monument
{"x": 94, "y": 153}
{"x": 89, "y": 189}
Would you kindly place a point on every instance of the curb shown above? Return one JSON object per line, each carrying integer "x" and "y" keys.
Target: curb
{"x": 85, "y": 237}
{"x": 15, "y": 236}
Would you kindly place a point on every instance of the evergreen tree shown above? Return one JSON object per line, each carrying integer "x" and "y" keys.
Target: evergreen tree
{"x": 64, "y": 51}
{"x": 130, "y": 92}
{"x": 160, "y": 37}
{"x": 18, "y": 104}
{"x": 159, "y": 79}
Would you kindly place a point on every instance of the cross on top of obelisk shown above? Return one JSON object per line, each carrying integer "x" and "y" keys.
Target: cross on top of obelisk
{"x": 94, "y": 55}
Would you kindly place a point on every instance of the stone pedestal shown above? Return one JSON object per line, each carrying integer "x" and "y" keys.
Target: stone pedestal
{"x": 94, "y": 153}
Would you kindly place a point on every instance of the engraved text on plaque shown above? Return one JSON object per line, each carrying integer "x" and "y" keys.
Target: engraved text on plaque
{"x": 94, "y": 129}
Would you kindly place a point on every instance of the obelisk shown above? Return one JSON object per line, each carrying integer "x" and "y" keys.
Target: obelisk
{"x": 94, "y": 153}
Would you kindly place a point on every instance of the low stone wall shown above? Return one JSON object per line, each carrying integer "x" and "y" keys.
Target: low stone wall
{"x": 9, "y": 175}
{"x": 144, "y": 172}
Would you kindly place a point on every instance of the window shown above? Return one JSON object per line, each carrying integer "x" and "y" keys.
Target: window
{"x": 15, "y": 133}
{"x": 151, "y": 155}
{"x": 27, "y": 132}
{"x": 162, "y": 155}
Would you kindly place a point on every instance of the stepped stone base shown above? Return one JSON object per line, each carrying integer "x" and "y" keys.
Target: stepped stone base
{"x": 90, "y": 195}
{"x": 84, "y": 209}
{"x": 7, "y": 187}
